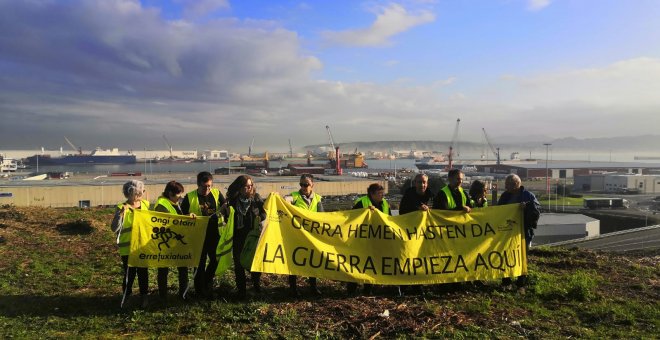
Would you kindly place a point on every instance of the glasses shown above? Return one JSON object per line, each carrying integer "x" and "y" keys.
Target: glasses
{"x": 305, "y": 185}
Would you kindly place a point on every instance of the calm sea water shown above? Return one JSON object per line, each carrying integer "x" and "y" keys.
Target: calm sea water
{"x": 163, "y": 167}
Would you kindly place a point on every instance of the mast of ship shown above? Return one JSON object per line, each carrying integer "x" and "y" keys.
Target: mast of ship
{"x": 454, "y": 140}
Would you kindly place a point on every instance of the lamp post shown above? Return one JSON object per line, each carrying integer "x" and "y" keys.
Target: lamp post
{"x": 547, "y": 179}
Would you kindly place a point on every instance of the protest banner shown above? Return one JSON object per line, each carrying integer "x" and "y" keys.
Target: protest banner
{"x": 371, "y": 247}
{"x": 161, "y": 240}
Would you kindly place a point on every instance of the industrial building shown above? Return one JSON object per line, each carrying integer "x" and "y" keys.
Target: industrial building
{"x": 618, "y": 183}
{"x": 568, "y": 169}
{"x": 562, "y": 227}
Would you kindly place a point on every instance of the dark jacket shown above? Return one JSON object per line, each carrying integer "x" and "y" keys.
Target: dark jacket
{"x": 411, "y": 200}
{"x": 532, "y": 210}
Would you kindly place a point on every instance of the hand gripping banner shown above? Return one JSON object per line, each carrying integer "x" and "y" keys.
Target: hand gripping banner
{"x": 371, "y": 247}
{"x": 165, "y": 240}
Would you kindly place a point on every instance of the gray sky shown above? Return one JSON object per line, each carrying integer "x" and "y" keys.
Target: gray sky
{"x": 212, "y": 74}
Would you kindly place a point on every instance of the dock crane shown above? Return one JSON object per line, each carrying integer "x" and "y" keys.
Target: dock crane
{"x": 336, "y": 148}
{"x": 494, "y": 150}
{"x": 79, "y": 150}
{"x": 250, "y": 148}
{"x": 169, "y": 146}
{"x": 454, "y": 140}
{"x": 290, "y": 149}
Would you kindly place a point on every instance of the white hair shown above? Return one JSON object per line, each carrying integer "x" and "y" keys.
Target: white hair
{"x": 133, "y": 188}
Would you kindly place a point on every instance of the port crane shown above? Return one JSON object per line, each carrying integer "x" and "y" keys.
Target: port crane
{"x": 336, "y": 148}
{"x": 77, "y": 149}
{"x": 169, "y": 146}
{"x": 454, "y": 141}
{"x": 290, "y": 149}
{"x": 494, "y": 150}
{"x": 250, "y": 148}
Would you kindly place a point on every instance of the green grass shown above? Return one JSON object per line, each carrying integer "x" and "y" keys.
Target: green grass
{"x": 56, "y": 283}
{"x": 561, "y": 201}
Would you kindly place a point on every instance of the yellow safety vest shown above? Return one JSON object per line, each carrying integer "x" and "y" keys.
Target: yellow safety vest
{"x": 366, "y": 202}
{"x": 193, "y": 199}
{"x": 167, "y": 204}
{"x": 299, "y": 201}
{"x": 474, "y": 204}
{"x": 451, "y": 204}
{"x": 223, "y": 253}
{"x": 124, "y": 233}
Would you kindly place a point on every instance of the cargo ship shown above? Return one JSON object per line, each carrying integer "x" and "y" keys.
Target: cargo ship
{"x": 98, "y": 156}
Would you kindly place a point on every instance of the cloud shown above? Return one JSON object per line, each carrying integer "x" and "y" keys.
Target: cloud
{"x": 193, "y": 9}
{"x": 537, "y": 5}
{"x": 114, "y": 73}
{"x": 390, "y": 21}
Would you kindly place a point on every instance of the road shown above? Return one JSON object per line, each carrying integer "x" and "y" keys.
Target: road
{"x": 637, "y": 239}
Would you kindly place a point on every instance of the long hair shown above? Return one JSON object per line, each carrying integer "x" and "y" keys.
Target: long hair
{"x": 235, "y": 187}
{"x": 477, "y": 188}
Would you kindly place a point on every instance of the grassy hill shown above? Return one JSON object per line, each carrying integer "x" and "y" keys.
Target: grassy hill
{"x": 60, "y": 277}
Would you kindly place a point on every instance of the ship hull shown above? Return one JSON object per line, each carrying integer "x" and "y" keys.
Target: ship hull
{"x": 81, "y": 159}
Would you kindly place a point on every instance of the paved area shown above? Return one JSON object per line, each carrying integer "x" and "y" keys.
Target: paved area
{"x": 629, "y": 240}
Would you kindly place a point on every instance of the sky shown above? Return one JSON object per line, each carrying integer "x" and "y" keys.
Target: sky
{"x": 218, "y": 73}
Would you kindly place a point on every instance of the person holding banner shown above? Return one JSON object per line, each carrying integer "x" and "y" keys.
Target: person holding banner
{"x": 169, "y": 203}
{"x": 122, "y": 224}
{"x": 516, "y": 193}
{"x": 373, "y": 200}
{"x": 305, "y": 198}
{"x": 249, "y": 212}
{"x": 478, "y": 194}
{"x": 205, "y": 201}
{"x": 416, "y": 197}
{"x": 452, "y": 196}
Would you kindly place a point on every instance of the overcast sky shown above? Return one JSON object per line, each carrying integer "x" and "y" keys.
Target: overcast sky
{"x": 214, "y": 73}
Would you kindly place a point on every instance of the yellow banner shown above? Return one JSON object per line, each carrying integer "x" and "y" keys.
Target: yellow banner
{"x": 166, "y": 240}
{"x": 371, "y": 247}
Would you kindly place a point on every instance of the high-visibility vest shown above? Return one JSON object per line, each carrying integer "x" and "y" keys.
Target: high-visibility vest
{"x": 193, "y": 199}
{"x": 299, "y": 201}
{"x": 165, "y": 202}
{"x": 124, "y": 233}
{"x": 474, "y": 204}
{"x": 451, "y": 204}
{"x": 366, "y": 202}
{"x": 223, "y": 253}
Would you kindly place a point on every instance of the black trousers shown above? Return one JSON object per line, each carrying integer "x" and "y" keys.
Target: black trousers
{"x": 239, "y": 241}
{"x": 162, "y": 280}
{"x": 129, "y": 277}
{"x": 206, "y": 272}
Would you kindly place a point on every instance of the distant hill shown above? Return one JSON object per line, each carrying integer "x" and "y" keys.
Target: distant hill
{"x": 622, "y": 143}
